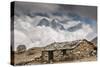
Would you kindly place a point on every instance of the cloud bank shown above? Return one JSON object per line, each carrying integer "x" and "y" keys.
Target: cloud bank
{"x": 79, "y": 22}
{"x": 28, "y": 33}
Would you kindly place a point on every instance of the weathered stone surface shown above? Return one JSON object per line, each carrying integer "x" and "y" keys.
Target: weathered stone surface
{"x": 75, "y": 50}
{"x": 21, "y": 48}
{"x": 57, "y": 55}
{"x": 58, "y": 52}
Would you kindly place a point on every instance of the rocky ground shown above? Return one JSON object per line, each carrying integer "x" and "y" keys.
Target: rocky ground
{"x": 33, "y": 56}
{"x": 28, "y": 60}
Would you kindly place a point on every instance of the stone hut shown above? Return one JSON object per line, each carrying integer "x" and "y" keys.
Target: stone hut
{"x": 67, "y": 51}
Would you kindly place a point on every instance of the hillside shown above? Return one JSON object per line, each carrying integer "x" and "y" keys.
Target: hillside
{"x": 34, "y": 55}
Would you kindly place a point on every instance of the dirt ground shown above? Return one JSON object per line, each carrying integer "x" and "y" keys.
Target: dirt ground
{"x": 24, "y": 59}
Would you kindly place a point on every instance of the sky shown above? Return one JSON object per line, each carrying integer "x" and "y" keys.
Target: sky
{"x": 64, "y": 23}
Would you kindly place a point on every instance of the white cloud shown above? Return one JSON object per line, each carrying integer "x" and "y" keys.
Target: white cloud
{"x": 20, "y": 38}
{"x": 39, "y": 36}
{"x": 71, "y": 23}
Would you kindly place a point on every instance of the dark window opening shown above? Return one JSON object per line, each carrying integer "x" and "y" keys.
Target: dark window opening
{"x": 50, "y": 54}
{"x": 64, "y": 52}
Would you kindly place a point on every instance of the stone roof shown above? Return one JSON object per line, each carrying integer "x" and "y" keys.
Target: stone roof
{"x": 62, "y": 45}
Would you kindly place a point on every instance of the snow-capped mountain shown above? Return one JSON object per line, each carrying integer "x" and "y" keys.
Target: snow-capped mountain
{"x": 91, "y": 35}
{"x": 44, "y": 22}
{"x": 40, "y": 31}
{"x": 75, "y": 28}
{"x": 55, "y": 24}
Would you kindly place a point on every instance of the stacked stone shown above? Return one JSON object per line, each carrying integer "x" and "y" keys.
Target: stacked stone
{"x": 83, "y": 50}
{"x": 45, "y": 57}
{"x": 58, "y": 55}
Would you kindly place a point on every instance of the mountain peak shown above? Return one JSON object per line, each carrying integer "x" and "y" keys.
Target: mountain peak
{"x": 55, "y": 24}
{"x": 44, "y": 22}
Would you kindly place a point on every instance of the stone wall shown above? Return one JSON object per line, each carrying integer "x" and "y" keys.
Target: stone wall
{"x": 84, "y": 50}
{"x": 44, "y": 57}
{"x": 58, "y": 55}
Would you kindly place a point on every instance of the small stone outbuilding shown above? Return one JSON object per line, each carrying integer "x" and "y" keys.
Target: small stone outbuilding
{"x": 68, "y": 51}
